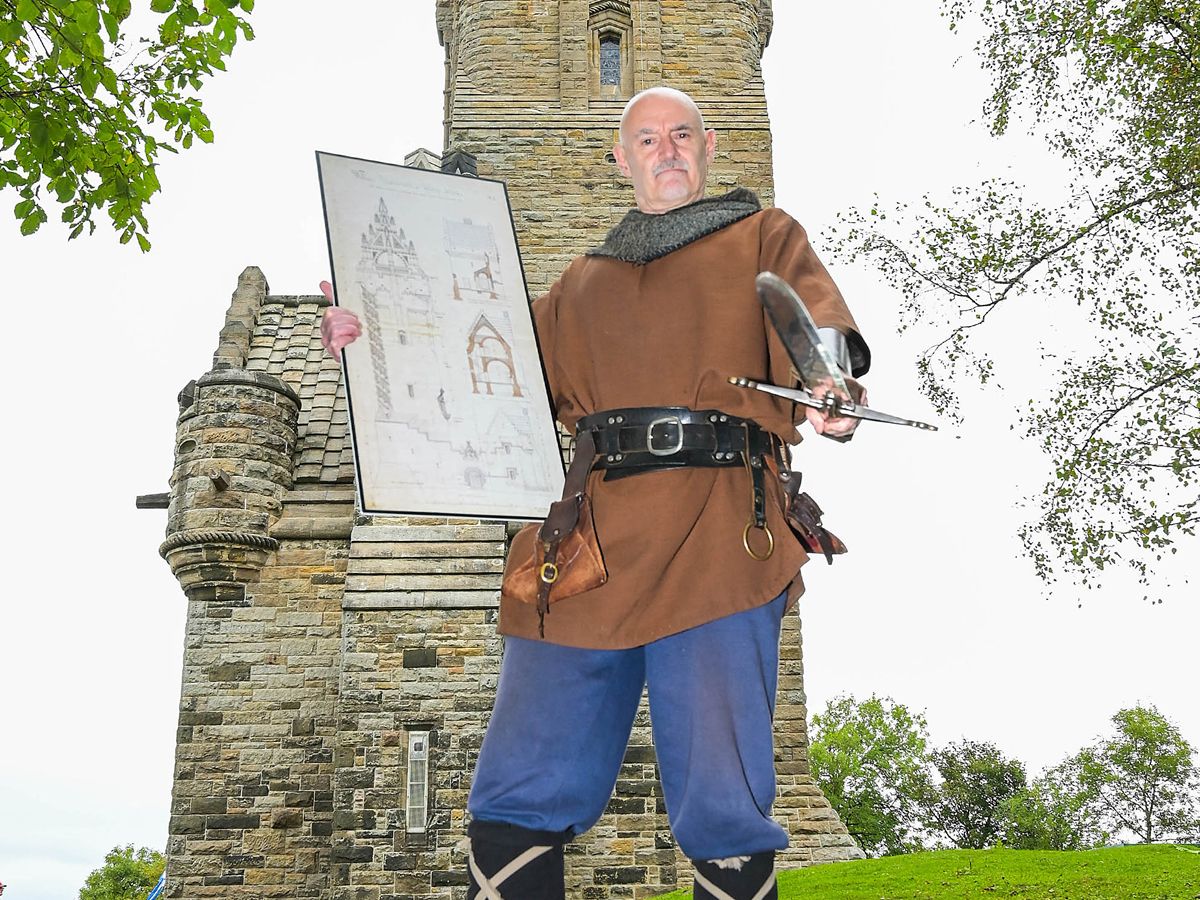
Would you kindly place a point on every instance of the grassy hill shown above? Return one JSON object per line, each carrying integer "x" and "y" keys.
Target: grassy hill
{"x": 1157, "y": 872}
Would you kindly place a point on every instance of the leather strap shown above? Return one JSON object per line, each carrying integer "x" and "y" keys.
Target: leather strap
{"x": 489, "y": 888}
{"x": 719, "y": 894}
{"x": 561, "y": 520}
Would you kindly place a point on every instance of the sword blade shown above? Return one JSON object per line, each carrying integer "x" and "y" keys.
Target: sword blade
{"x": 875, "y": 415}
{"x": 836, "y": 407}
{"x": 816, "y": 368}
{"x": 788, "y": 314}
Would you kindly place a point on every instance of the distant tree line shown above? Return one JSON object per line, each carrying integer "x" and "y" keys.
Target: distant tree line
{"x": 897, "y": 794}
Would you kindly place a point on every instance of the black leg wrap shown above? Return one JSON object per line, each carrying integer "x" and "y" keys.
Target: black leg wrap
{"x": 736, "y": 878}
{"x": 507, "y": 862}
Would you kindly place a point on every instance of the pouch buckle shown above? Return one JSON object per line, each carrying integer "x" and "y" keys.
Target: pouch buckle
{"x": 668, "y": 451}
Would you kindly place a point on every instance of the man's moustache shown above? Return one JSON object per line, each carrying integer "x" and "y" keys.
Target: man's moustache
{"x": 667, "y": 166}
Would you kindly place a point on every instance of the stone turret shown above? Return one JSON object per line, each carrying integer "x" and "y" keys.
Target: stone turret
{"x": 234, "y": 441}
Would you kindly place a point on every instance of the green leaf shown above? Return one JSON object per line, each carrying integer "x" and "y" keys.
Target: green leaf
{"x": 86, "y": 15}
{"x": 143, "y": 242}
{"x": 39, "y": 132}
{"x": 27, "y": 11}
{"x": 89, "y": 80}
{"x": 72, "y": 36}
{"x": 162, "y": 6}
{"x": 171, "y": 29}
{"x": 112, "y": 26}
{"x": 64, "y": 189}
{"x": 93, "y": 46}
{"x": 33, "y": 222}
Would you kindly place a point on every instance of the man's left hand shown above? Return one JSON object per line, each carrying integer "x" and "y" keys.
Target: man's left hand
{"x": 839, "y": 428}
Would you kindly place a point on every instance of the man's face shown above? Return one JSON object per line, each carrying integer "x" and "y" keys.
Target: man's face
{"x": 665, "y": 152}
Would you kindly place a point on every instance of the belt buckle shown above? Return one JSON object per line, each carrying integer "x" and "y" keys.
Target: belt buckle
{"x": 659, "y": 451}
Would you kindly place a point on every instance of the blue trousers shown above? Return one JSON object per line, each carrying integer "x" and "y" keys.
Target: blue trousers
{"x": 562, "y": 720}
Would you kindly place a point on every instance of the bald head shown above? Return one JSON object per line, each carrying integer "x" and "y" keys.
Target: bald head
{"x": 660, "y": 91}
{"x": 664, "y": 149}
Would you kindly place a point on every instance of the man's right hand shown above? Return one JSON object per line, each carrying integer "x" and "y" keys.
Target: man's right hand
{"x": 339, "y": 326}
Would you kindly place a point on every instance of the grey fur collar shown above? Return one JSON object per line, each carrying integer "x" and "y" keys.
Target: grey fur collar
{"x": 642, "y": 237}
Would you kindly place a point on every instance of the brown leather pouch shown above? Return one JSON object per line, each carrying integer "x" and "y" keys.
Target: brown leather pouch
{"x": 804, "y": 516}
{"x": 561, "y": 556}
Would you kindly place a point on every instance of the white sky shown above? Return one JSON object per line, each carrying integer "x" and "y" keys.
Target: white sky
{"x": 933, "y": 606}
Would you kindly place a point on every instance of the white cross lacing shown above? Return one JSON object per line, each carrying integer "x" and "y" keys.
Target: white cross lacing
{"x": 721, "y": 895}
{"x": 490, "y": 888}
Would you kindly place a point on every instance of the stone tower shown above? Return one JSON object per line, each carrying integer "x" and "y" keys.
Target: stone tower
{"x": 339, "y": 669}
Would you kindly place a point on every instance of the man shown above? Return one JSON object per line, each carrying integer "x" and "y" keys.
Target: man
{"x": 639, "y": 337}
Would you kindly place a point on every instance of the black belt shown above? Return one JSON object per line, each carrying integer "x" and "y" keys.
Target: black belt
{"x": 648, "y": 438}
{"x": 663, "y": 437}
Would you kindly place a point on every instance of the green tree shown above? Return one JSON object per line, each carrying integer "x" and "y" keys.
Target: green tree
{"x": 1113, "y": 87}
{"x": 1144, "y": 777}
{"x": 870, "y": 759}
{"x": 977, "y": 783}
{"x": 126, "y": 875}
{"x": 87, "y": 104}
{"x": 1057, "y": 812}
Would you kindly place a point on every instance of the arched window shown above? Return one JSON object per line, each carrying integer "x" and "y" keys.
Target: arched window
{"x": 610, "y": 30}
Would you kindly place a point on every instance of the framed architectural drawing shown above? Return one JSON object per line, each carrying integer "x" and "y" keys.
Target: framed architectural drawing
{"x": 449, "y": 409}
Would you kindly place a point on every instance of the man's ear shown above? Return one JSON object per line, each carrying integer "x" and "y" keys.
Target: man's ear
{"x": 710, "y": 144}
{"x": 622, "y": 162}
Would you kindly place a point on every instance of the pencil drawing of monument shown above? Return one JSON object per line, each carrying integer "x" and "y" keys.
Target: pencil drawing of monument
{"x": 449, "y": 340}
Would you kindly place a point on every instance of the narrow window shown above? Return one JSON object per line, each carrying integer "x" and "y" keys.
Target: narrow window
{"x": 418, "y": 780}
{"x": 412, "y": 390}
{"x": 610, "y": 59}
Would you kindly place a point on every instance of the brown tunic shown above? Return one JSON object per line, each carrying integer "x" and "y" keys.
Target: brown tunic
{"x": 670, "y": 333}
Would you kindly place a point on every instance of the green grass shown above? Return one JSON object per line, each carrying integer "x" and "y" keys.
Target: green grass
{"x": 1157, "y": 872}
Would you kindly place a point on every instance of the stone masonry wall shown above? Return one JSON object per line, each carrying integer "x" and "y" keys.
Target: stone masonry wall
{"x": 253, "y": 799}
{"x": 418, "y": 655}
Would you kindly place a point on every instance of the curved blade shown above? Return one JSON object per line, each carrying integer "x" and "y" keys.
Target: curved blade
{"x": 816, "y": 368}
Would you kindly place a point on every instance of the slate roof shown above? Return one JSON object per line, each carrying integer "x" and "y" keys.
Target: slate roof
{"x": 280, "y": 335}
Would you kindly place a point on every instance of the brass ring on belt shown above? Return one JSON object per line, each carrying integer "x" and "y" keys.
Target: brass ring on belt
{"x": 770, "y": 542}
